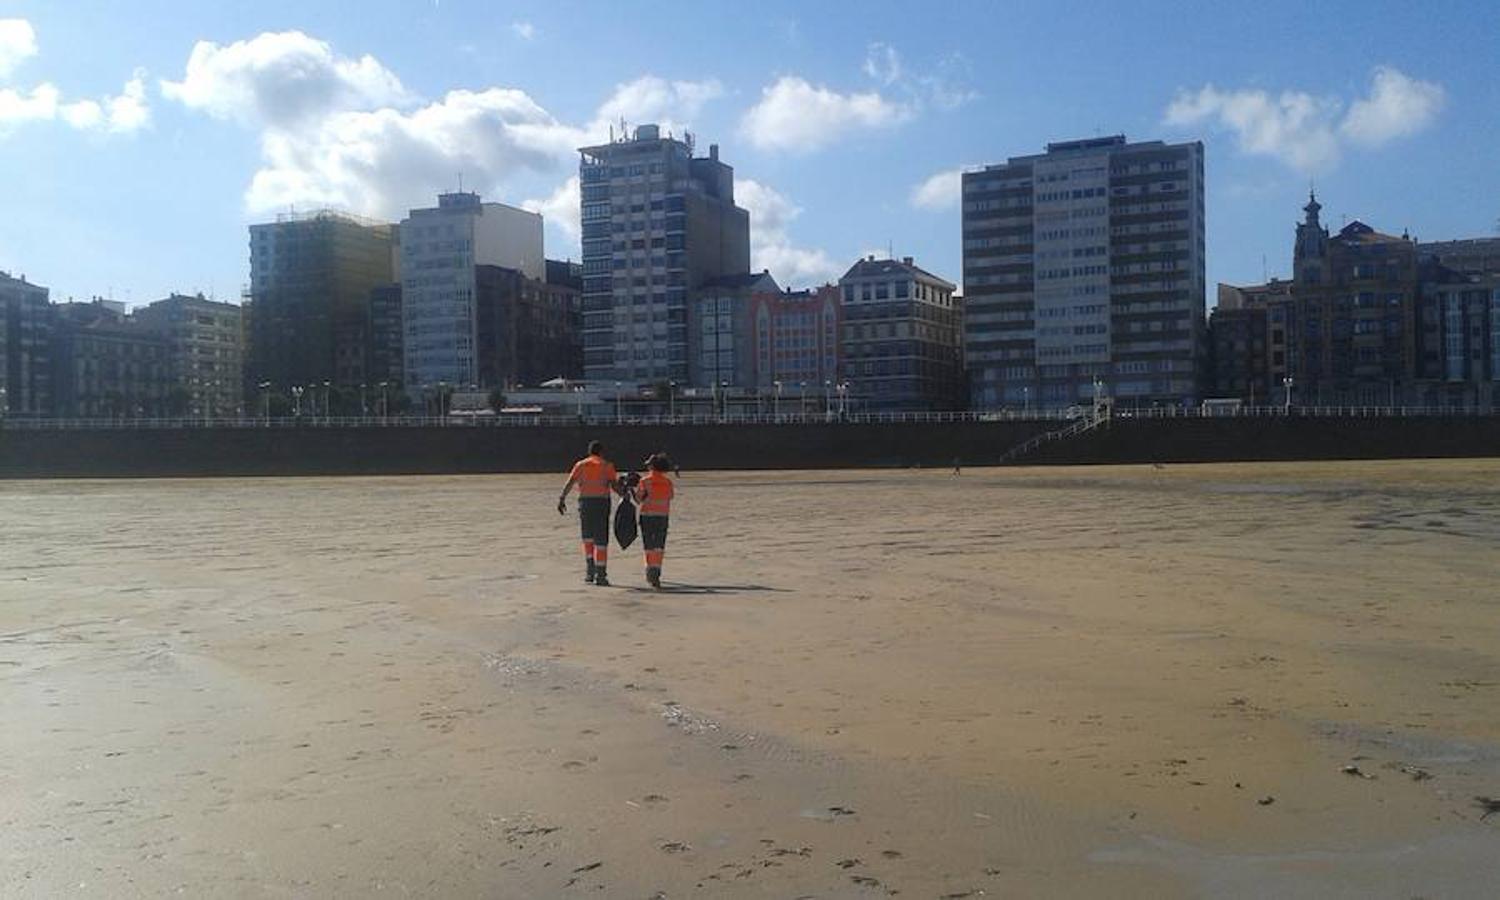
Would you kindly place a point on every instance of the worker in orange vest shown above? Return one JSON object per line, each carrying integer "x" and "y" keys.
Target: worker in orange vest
{"x": 595, "y": 477}
{"x": 654, "y": 494}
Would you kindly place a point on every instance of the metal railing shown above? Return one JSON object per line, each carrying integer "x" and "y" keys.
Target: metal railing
{"x": 736, "y": 418}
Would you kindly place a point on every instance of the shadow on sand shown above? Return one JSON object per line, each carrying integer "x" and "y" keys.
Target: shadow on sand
{"x": 669, "y": 587}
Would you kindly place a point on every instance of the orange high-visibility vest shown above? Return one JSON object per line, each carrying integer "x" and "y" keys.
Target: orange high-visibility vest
{"x": 593, "y": 475}
{"x": 655, "y": 493}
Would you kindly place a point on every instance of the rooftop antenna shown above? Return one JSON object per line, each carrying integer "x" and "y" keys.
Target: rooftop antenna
{"x": 460, "y": 182}
{"x": 1264, "y": 276}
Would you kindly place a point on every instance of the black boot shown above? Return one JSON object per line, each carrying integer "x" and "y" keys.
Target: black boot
{"x": 600, "y": 578}
{"x": 653, "y": 576}
{"x": 592, "y": 573}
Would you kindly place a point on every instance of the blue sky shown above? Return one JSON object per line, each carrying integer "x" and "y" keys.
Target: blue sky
{"x": 137, "y": 140}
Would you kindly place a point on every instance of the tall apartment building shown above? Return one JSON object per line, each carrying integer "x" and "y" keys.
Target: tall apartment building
{"x": 1085, "y": 262}
{"x": 1459, "y": 317}
{"x": 383, "y": 353}
{"x": 1355, "y": 311}
{"x": 207, "y": 356}
{"x": 721, "y": 330}
{"x": 310, "y": 281}
{"x": 440, "y": 249}
{"x": 527, "y": 327}
{"x": 903, "y": 337}
{"x": 797, "y": 338}
{"x": 25, "y": 348}
{"x": 1249, "y": 354}
{"x": 106, "y": 364}
{"x": 658, "y": 224}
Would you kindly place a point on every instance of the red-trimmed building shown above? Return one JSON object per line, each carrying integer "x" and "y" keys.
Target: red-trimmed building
{"x": 796, "y": 339}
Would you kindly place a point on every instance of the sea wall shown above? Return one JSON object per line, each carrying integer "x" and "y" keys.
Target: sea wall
{"x": 130, "y": 452}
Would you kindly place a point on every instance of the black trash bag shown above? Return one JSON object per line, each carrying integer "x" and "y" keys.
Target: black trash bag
{"x": 625, "y": 524}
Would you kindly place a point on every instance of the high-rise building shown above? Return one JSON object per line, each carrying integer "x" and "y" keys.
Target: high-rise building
{"x": 310, "y": 281}
{"x": 721, "y": 330}
{"x": 108, "y": 365}
{"x": 383, "y": 355}
{"x": 527, "y": 327}
{"x": 797, "y": 338}
{"x": 1460, "y": 319}
{"x": 658, "y": 224}
{"x": 1354, "y": 323}
{"x": 903, "y": 337}
{"x": 440, "y": 250}
{"x": 1085, "y": 262}
{"x": 25, "y": 348}
{"x": 1248, "y": 350}
{"x": 207, "y": 358}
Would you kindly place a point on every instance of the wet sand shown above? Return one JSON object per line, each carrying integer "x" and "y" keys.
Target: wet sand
{"x": 1133, "y": 682}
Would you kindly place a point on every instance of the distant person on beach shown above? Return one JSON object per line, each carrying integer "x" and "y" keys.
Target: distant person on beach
{"x": 654, "y": 493}
{"x": 595, "y": 477}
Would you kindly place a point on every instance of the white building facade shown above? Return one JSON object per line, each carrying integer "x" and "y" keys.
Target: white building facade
{"x": 440, "y": 247}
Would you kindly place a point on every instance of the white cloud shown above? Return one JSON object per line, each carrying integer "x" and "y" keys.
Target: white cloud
{"x": 120, "y": 114}
{"x": 1306, "y": 131}
{"x": 40, "y": 105}
{"x": 344, "y": 132}
{"x": 561, "y": 208}
{"x": 282, "y": 79}
{"x": 794, "y": 115}
{"x": 1398, "y": 106}
{"x": 17, "y": 44}
{"x": 670, "y": 104}
{"x": 939, "y": 191}
{"x": 386, "y": 161}
{"x": 883, "y": 63}
{"x": 524, "y": 30}
{"x": 771, "y": 212}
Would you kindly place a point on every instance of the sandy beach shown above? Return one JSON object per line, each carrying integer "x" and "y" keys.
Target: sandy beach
{"x": 1220, "y": 680}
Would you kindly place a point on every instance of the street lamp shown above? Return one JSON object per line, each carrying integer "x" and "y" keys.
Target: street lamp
{"x": 325, "y": 400}
{"x": 385, "y": 402}
{"x": 297, "y": 391}
{"x": 618, "y": 416}
{"x": 672, "y": 401}
{"x": 777, "y": 407}
{"x": 827, "y": 406}
{"x": 1026, "y": 400}
{"x": 265, "y": 400}
{"x": 802, "y": 400}
{"x": 724, "y": 397}
{"x": 1287, "y": 383}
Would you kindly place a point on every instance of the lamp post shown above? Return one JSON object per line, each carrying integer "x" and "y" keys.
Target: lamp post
{"x": 297, "y": 391}
{"x": 671, "y": 401}
{"x": 1026, "y": 400}
{"x": 618, "y": 416}
{"x": 1287, "y": 405}
{"x": 776, "y": 408}
{"x": 827, "y": 405}
{"x": 265, "y": 401}
{"x": 325, "y": 401}
{"x": 385, "y": 402}
{"x": 802, "y": 400}
{"x": 724, "y": 397}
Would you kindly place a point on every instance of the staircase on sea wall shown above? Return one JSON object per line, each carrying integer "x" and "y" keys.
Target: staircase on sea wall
{"x": 1083, "y": 425}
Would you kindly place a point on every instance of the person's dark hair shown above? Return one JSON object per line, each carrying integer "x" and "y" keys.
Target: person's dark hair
{"x": 661, "y": 462}
{"x": 596, "y": 448}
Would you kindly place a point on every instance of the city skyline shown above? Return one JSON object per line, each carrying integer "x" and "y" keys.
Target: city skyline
{"x": 834, "y": 119}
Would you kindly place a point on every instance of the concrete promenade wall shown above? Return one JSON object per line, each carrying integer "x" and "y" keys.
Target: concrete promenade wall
{"x": 1250, "y": 439}
{"x": 467, "y": 449}
{"x": 464, "y": 449}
